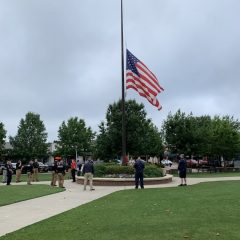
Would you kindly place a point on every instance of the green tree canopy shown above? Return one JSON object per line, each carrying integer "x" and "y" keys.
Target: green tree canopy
{"x": 225, "y": 137}
{"x": 31, "y": 139}
{"x": 74, "y": 136}
{"x": 142, "y": 137}
{"x": 201, "y": 135}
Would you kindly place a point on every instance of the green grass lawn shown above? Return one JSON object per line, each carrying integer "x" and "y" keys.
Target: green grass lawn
{"x": 204, "y": 211}
{"x": 13, "y": 193}
{"x": 41, "y": 176}
{"x": 211, "y": 175}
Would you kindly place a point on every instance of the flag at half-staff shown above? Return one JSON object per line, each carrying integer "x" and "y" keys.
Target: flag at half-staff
{"x": 141, "y": 79}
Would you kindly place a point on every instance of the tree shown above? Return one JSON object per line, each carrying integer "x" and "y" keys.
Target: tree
{"x": 2, "y": 137}
{"x": 176, "y": 132}
{"x": 225, "y": 136}
{"x": 202, "y": 135}
{"x": 31, "y": 139}
{"x": 102, "y": 144}
{"x": 153, "y": 141}
{"x": 142, "y": 137}
{"x": 74, "y": 136}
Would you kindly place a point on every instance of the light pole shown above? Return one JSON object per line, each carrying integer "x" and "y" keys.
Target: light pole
{"x": 76, "y": 153}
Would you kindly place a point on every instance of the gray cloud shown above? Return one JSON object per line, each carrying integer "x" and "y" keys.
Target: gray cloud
{"x": 62, "y": 58}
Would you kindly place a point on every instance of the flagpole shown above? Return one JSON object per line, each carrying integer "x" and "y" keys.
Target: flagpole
{"x": 123, "y": 93}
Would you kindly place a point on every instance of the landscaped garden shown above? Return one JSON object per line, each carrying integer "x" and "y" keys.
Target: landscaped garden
{"x": 16, "y": 193}
{"x": 114, "y": 170}
{"x": 203, "y": 211}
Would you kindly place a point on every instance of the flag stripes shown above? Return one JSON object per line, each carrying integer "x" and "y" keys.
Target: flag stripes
{"x": 142, "y": 80}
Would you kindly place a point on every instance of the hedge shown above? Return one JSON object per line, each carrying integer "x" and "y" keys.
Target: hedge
{"x": 113, "y": 170}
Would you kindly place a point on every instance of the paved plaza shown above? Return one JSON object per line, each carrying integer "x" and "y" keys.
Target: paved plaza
{"x": 44, "y": 207}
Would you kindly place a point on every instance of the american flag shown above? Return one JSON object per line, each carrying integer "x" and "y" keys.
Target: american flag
{"x": 141, "y": 79}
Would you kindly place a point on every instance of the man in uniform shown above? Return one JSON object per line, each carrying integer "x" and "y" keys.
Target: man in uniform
{"x": 54, "y": 173}
{"x": 9, "y": 172}
{"x": 61, "y": 173}
{"x": 35, "y": 170}
{"x": 30, "y": 172}
{"x": 19, "y": 167}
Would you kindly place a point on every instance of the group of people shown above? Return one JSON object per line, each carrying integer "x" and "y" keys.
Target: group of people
{"x": 31, "y": 169}
{"x": 139, "y": 168}
{"x": 59, "y": 170}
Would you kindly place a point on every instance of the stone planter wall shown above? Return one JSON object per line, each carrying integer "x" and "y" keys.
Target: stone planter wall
{"x": 126, "y": 181}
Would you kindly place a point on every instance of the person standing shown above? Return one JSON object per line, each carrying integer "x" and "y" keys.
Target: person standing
{"x": 30, "y": 172}
{"x": 9, "y": 172}
{"x": 139, "y": 168}
{"x": 88, "y": 171}
{"x": 182, "y": 169}
{"x": 73, "y": 170}
{"x": 35, "y": 170}
{"x": 4, "y": 178}
{"x": 61, "y": 170}
{"x": 79, "y": 166}
{"x": 54, "y": 173}
{"x": 19, "y": 167}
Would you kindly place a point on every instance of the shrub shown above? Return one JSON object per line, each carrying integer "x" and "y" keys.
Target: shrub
{"x": 153, "y": 171}
{"x": 103, "y": 170}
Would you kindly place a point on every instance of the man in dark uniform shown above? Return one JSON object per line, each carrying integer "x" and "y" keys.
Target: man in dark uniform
{"x": 35, "y": 170}
{"x": 182, "y": 169}
{"x": 9, "y": 172}
{"x": 139, "y": 167}
{"x": 61, "y": 173}
{"x": 54, "y": 173}
{"x": 30, "y": 172}
{"x": 19, "y": 167}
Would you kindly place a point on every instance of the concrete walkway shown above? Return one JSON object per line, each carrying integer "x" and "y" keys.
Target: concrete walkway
{"x": 35, "y": 210}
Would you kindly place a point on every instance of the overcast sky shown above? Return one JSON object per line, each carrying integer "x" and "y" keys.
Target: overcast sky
{"x": 62, "y": 58}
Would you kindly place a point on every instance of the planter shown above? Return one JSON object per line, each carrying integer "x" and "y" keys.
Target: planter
{"x": 126, "y": 181}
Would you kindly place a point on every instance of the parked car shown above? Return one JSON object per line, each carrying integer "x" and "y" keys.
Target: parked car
{"x": 118, "y": 161}
{"x": 192, "y": 163}
{"x": 43, "y": 167}
{"x": 2, "y": 166}
{"x": 167, "y": 162}
{"x": 203, "y": 162}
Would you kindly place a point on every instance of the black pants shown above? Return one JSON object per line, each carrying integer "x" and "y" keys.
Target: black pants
{"x": 73, "y": 172}
{"x": 9, "y": 178}
{"x": 139, "y": 176}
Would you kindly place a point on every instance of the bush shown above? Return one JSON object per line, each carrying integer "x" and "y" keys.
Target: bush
{"x": 113, "y": 170}
{"x": 153, "y": 171}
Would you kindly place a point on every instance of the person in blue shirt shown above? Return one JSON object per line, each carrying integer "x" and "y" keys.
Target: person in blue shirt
{"x": 139, "y": 167}
{"x": 88, "y": 171}
{"x": 182, "y": 170}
